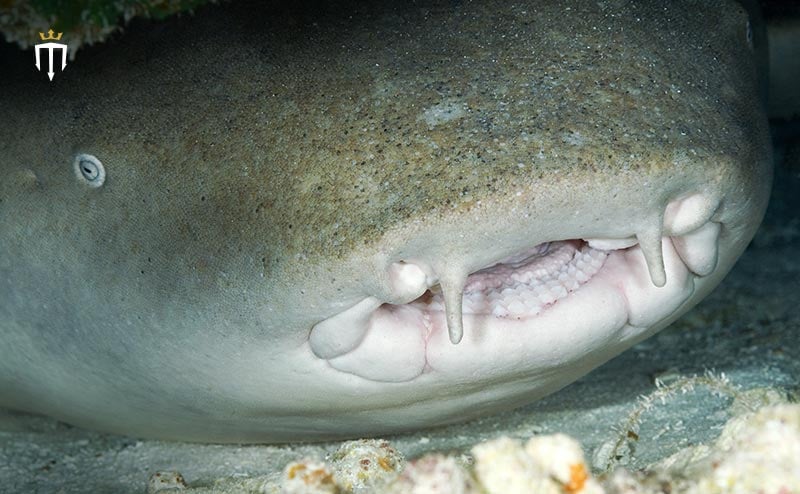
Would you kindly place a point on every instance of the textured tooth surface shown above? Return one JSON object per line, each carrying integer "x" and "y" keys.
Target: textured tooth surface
{"x": 521, "y": 268}
{"x": 699, "y": 249}
{"x": 343, "y": 332}
{"x": 547, "y": 298}
{"x": 650, "y": 243}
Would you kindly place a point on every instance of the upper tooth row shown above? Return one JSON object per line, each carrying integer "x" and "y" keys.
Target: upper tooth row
{"x": 535, "y": 267}
{"x": 533, "y": 289}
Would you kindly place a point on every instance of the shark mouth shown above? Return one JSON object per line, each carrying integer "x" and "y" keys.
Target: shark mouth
{"x": 546, "y": 307}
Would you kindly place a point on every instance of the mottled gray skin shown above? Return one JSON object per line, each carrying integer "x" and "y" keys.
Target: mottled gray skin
{"x": 264, "y": 169}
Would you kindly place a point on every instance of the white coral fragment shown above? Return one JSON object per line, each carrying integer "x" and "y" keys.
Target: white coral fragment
{"x": 165, "y": 481}
{"x": 546, "y": 464}
{"x": 756, "y": 452}
{"x": 365, "y": 465}
{"x": 434, "y": 474}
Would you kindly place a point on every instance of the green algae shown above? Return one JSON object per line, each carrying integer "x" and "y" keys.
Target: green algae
{"x": 81, "y": 22}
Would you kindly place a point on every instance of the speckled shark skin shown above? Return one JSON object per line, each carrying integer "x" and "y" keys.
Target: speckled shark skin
{"x": 370, "y": 220}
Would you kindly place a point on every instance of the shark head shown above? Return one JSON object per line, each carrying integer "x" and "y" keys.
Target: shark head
{"x": 361, "y": 224}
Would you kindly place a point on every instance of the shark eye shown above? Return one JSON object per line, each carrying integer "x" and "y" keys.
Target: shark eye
{"x": 89, "y": 170}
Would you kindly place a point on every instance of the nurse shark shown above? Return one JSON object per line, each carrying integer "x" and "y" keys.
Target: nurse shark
{"x": 264, "y": 224}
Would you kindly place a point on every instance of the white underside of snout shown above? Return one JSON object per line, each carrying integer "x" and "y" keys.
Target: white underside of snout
{"x": 546, "y": 308}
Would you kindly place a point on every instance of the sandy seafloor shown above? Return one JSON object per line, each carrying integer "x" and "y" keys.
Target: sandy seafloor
{"x": 748, "y": 329}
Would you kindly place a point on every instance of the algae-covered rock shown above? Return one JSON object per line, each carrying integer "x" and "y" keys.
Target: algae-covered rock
{"x": 81, "y": 22}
